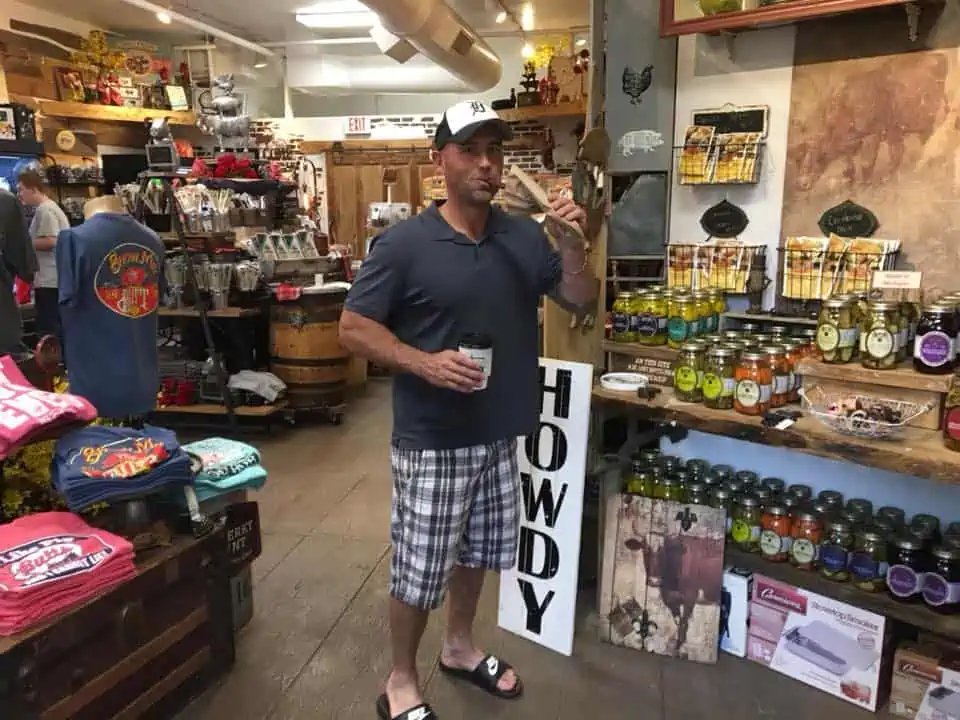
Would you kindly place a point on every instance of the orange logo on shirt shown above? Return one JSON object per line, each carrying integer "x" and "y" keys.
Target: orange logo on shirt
{"x": 128, "y": 280}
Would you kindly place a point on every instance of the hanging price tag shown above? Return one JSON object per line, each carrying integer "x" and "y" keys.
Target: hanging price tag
{"x": 897, "y": 280}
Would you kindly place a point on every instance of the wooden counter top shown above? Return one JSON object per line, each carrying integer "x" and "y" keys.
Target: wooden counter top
{"x": 915, "y": 452}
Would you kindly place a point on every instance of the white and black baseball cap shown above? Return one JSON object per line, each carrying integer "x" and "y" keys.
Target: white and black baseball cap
{"x": 461, "y": 121}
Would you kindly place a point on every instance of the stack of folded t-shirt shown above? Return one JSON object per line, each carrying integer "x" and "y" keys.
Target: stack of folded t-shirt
{"x": 226, "y": 466}
{"x": 98, "y": 464}
{"x": 50, "y": 562}
{"x": 28, "y": 414}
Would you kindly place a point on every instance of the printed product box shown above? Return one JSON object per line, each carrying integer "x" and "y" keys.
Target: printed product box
{"x": 735, "y": 610}
{"x": 926, "y": 683}
{"x": 821, "y": 642}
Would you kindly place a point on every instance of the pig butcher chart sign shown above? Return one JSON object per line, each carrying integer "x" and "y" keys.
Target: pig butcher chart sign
{"x": 538, "y": 596}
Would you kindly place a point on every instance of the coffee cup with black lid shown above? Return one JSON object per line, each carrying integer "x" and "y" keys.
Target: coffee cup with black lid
{"x": 478, "y": 348}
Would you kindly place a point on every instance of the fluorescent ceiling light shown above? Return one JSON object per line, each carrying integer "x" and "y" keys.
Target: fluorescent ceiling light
{"x": 164, "y": 17}
{"x": 334, "y": 6}
{"x": 336, "y": 21}
{"x": 501, "y": 17}
{"x": 526, "y": 17}
{"x": 259, "y": 65}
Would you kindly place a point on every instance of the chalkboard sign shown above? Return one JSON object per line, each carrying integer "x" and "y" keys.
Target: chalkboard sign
{"x": 244, "y": 543}
{"x": 734, "y": 119}
{"x": 724, "y": 220}
{"x": 848, "y": 220}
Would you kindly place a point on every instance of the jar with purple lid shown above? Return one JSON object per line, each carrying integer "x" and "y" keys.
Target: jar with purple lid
{"x": 909, "y": 564}
{"x": 934, "y": 347}
{"x": 941, "y": 586}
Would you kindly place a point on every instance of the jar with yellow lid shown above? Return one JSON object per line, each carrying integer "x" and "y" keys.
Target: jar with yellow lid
{"x": 650, "y": 318}
{"x": 880, "y": 340}
{"x": 719, "y": 382}
{"x": 682, "y": 320}
{"x": 688, "y": 373}
{"x": 622, "y": 307}
{"x": 837, "y": 331}
{"x": 708, "y": 321}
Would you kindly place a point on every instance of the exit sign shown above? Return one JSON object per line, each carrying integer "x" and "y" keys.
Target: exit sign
{"x": 357, "y": 125}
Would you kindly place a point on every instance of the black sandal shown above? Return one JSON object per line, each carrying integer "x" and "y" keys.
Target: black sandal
{"x": 420, "y": 712}
{"x": 486, "y": 675}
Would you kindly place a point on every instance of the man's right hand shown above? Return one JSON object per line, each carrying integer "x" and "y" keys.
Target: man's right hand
{"x": 451, "y": 370}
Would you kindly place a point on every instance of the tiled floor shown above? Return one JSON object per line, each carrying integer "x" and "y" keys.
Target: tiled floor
{"x": 317, "y": 648}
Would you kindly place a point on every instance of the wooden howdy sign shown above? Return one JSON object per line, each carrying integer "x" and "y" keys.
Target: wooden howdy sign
{"x": 848, "y": 220}
{"x": 724, "y": 220}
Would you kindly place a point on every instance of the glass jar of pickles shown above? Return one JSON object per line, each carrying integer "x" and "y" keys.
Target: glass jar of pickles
{"x": 697, "y": 494}
{"x": 682, "y": 320}
{"x": 720, "y": 498}
{"x": 780, "y": 367}
{"x": 837, "y": 331}
{"x": 754, "y": 383}
{"x": 747, "y": 524}
{"x": 719, "y": 383}
{"x": 669, "y": 488}
{"x": 622, "y": 308}
{"x": 719, "y": 302}
{"x": 650, "y": 318}
{"x": 868, "y": 561}
{"x": 835, "y": 551}
{"x": 708, "y": 321}
{"x": 880, "y": 341}
{"x": 697, "y": 468}
{"x": 688, "y": 373}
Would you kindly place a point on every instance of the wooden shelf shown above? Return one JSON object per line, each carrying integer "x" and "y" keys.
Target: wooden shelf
{"x": 214, "y": 409}
{"x": 779, "y": 13}
{"x": 544, "y": 112}
{"x": 916, "y": 452}
{"x": 229, "y": 312}
{"x": 916, "y": 614}
{"x": 110, "y": 113}
{"x": 770, "y": 319}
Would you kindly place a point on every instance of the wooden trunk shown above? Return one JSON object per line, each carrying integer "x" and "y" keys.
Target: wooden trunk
{"x": 654, "y": 361}
{"x": 305, "y": 350}
{"x": 143, "y": 650}
{"x": 662, "y": 577}
{"x": 902, "y": 383}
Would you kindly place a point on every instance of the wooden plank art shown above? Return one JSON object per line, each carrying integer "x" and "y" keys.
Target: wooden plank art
{"x": 662, "y": 577}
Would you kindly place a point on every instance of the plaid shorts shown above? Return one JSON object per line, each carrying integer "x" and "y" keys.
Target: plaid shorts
{"x": 451, "y": 507}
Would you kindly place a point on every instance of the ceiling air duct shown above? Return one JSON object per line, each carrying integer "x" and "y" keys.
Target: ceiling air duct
{"x": 437, "y": 32}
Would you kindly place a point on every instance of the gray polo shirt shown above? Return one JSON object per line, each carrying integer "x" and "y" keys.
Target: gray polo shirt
{"x": 431, "y": 285}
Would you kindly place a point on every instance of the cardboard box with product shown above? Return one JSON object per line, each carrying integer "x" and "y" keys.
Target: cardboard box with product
{"x": 926, "y": 682}
{"x": 735, "y": 610}
{"x": 821, "y": 642}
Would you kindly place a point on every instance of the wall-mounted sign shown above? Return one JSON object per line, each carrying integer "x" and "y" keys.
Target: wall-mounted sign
{"x": 66, "y": 140}
{"x": 734, "y": 119}
{"x": 724, "y": 220}
{"x": 356, "y": 125}
{"x": 849, "y": 220}
{"x": 538, "y": 596}
{"x": 897, "y": 280}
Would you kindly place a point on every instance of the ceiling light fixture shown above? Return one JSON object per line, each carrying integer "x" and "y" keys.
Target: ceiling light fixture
{"x": 526, "y": 17}
{"x": 164, "y": 17}
{"x": 338, "y": 20}
{"x": 527, "y": 50}
{"x": 501, "y": 17}
{"x": 259, "y": 65}
{"x": 581, "y": 42}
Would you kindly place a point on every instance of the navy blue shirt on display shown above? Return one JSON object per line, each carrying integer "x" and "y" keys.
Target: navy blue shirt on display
{"x": 111, "y": 279}
{"x": 431, "y": 286}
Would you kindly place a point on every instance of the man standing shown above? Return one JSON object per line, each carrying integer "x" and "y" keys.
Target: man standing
{"x": 48, "y": 221}
{"x": 460, "y": 268}
{"x": 17, "y": 259}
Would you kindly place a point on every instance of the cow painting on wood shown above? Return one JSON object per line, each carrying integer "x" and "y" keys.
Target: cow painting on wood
{"x": 662, "y": 577}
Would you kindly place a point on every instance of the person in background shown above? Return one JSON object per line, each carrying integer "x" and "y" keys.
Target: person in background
{"x": 48, "y": 221}
{"x": 17, "y": 259}
{"x": 459, "y": 268}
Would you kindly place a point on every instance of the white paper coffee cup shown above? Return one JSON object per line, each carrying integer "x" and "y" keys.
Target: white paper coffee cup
{"x": 479, "y": 348}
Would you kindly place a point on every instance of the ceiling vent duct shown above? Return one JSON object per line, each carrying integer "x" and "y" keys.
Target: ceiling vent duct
{"x": 440, "y": 34}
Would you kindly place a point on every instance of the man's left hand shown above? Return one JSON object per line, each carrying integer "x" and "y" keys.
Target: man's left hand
{"x": 567, "y": 209}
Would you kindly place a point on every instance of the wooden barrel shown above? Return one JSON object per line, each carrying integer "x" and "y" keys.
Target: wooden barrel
{"x": 305, "y": 350}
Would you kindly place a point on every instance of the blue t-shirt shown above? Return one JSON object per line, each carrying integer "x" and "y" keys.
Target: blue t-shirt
{"x": 111, "y": 278}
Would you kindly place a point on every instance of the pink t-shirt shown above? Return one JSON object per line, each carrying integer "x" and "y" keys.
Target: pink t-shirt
{"x": 27, "y": 413}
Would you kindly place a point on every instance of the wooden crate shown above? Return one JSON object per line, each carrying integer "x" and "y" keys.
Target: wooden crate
{"x": 662, "y": 577}
{"x": 656, "y": 362}
{"x": 901, "y": 383}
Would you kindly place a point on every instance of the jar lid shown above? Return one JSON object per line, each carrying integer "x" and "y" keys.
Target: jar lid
{"x": 921, "y": 531}
{"x": 774, "y": 483}
{"x": 749, "y": 327}
{"x": 626, "y": 295}
{"x": 791, "y": 345}
{"x": 925, "y": 520}
{"x": 734, "y": 485}
{"x": 940, "y": 308}
{"x": 894, "y": 513}
{"x": 668, "y": 461}
{"x": 872, "y": 536}
{"x": 778, "y": 329}
{"x": 747, "y": 476}
{"x": 860, "y": 504}
{"x": 669, "y": 480}
{"x": 908, "y": 542}
{"x": 753, "y": 355}
{"x": 790, "y": 501}
{"x": 681, "y": 476}
{"x": 650, "y": 454}
{"x": 698, "y": 466}
{"x": 885, "y": 525}
{"x": 882, "y": 305}
{"x": 732, "y": 334}
{"x": 692, "y": 347}
{"x": 800, "y": 490}
{"x": 749, "y": 501}
{"x": 773, "y": 349}
{"x": 837, "y": 302}
{"x": 700, "y": 293}
{"x": 761, "y": 493}
{"x": 696, "y": 488}
{"x": 841, "y": 525}
{"x": 823, "y": 508}
{"x": 763, "y": 338}
{"x": 722, "y": 471}
{"x": 711, "y": 481}
{"x": 806, "y": 517}
{"x": 721, "y": 494}
{"x": 683, "y": 298}
{"x": 722, "y": 351}
{"x": 777, "y": 510}
{"x": 944, "y": 552}
{"x": 830, "y": 496}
